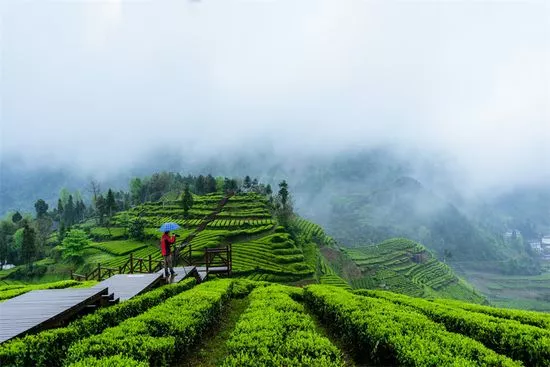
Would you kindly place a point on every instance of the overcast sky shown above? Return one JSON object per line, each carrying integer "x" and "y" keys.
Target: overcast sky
{"x": 105, "y": 82}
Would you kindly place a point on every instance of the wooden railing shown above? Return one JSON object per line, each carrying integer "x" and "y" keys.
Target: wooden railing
{"x": 219, "y": 257}
{"x": 141, "y": 265}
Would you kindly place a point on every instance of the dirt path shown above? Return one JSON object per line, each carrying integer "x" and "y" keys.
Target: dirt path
{"x": 214, "y": 349}
{"x": 347, "y": 356}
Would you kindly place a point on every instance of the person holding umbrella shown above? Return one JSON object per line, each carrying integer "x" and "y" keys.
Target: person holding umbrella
{"x": 165, "y": 243}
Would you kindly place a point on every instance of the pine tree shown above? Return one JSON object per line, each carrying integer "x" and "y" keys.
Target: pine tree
{"x": 101, "y": 208}
{"x": 283, "y": 194}
{"x": 69, "y": 213}
{"x": 28, "y": 246}
{"x": 247, "y": 182}
{"x": 41, "y": 208}
{"x": 283, "y": 204}
{"x": 200, "y": 185}
{"x": 110, "y": 203}
{"x": 60, "y": 210}
{"x": 211, "y": 184}
{"x": 187, "y": 201}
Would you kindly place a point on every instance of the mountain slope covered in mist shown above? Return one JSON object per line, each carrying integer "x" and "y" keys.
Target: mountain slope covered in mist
{"x": 360, "y": 197}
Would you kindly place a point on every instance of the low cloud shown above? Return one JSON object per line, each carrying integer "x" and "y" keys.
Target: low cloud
{"x": 102, "y": 85}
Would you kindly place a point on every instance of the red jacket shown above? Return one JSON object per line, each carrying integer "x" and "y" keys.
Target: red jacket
{"x": 165, "y": 243}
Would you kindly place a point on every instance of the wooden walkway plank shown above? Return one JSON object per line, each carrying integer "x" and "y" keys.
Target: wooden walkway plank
{"x": 182, "y": 272}
{"x": 213, "y": 269}
{"x": 126, "y": 286}
{"x": 41, "y": 308}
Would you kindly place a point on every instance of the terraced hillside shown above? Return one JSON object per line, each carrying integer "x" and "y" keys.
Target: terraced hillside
{"x": 404, "y": 266}
{"x": 236, "y": 322}
{"x": 261, "y": 249}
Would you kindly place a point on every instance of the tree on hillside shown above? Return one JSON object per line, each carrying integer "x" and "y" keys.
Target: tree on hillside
{"x": 187, "y": 201}
{"x": 283, "y": 194}
{"x": 210, "y": 184}
{"x": 283, "y": 204}
{"x": 28, "y": 245}
{"x": 200, "y": 185}
{"x": 60, "y": 210}
{"x": 73, "y": 245}
{"x": 110, "y": 203}
{"x": 5, "y": 241}
{"x": 16, "y": 218}
{"x": 80, "y": 210}
{"x": 94, "y": 189}
{"x": 43, "y": 227}
{"x": 69, "y": 212}
{"x": 254, "y": 185}
{"x": 64, "y": 195}
{"x": 124, "y": 221}
{"x": 15, "y": 257}
{"x": 247, "y": 182}
{"x": 268, "y": 190}
{"x": 230, "y": 185}
{"x": 101, "y": 208}
{"x": 136, "y": 229}
{"x": 41, "y": 208}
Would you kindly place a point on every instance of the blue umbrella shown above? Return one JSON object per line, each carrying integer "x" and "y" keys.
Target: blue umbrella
{"x": 169, "y": 226}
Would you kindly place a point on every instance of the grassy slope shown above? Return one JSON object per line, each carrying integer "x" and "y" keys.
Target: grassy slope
{"x": 404, "y": 266}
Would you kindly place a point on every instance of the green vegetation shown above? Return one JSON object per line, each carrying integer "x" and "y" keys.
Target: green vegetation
{"x": 404, "y": 266}
{"x": 389, "y": 334}
{"x": 118, "y": 247}
{"x": 161, "y": 333}
{"x": 273, "y": 325}
{"x": 267, "y": 324}
{"x": 275, "y": 330}
{"x": 506, "y": 336}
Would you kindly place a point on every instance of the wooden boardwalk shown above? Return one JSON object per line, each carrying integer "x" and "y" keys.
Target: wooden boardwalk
{"x": 126, "y": 286}
{"x": 43, "y": 309}
{"x": 182, "y": 272}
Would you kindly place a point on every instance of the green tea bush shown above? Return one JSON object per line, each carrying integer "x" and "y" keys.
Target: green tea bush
{"x": 162, "y": 332}
{"x": 390, "y": 334}
{"x": 527, "y": 343}
{"x": 115, "y": 361}
{"x": 276, "y": 331}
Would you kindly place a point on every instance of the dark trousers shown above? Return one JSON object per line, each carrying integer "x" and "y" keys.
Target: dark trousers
{"x": 168, "y": 264}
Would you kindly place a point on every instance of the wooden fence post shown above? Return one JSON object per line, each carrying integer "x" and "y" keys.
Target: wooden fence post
{"x": 131, "y": 262}
{"x": 99, "y": 272}
{"x": 150, "y": 264}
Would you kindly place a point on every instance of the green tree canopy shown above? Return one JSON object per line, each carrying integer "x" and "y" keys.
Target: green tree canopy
{"x": 110, "y": 202}
{"x": 136, "y": 229}
{"x": 16, "y": 217}
{"x": 28, "y": 245}
{"x": 41, "y": 208}
{"x": 73, "y": 244}
{"x": 187, "y": 201}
